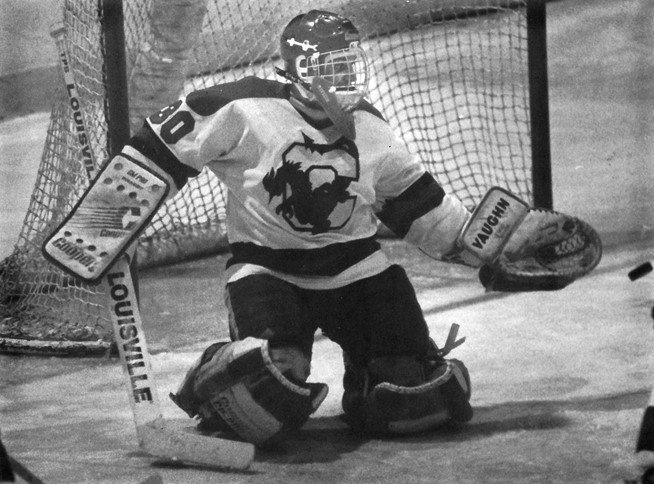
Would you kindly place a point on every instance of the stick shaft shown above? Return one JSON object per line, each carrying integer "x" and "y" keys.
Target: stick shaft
{"x": 117, "y": 284}
{"x": 23, "y": 472}
{"x": 83, "y": 139}
{"x": 132, "y": 345}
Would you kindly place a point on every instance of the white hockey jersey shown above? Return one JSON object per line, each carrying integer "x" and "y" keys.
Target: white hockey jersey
{"x": 303, "y": 201}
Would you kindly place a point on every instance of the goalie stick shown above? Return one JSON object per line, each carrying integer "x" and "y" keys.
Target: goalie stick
{"x": 154, "y": 435}
{"x": 645, "y": 440}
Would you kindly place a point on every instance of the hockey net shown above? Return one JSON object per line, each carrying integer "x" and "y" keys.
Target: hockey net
{"x": 449, "y": 75}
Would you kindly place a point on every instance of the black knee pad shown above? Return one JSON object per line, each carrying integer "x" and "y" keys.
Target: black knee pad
{"x": 403, "y": 395}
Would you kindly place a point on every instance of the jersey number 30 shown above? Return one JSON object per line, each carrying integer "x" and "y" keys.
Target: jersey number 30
{"x": 174, "y": 124}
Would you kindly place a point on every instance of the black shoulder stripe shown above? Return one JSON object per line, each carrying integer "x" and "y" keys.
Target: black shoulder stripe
{"x": 206, "y": 102}
{"x": 422, "y": 196}
{"x": 147, "y": 143}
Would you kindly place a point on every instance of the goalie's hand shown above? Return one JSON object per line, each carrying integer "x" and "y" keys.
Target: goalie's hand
{"x": 548, "y": 251}
{"x": 526, "y": 249}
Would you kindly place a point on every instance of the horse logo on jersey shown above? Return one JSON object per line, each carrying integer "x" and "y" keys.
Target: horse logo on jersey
{"x": 313, "y": 182}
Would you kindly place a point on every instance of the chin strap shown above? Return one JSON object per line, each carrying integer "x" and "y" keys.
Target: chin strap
{"x": 293, "y": 78}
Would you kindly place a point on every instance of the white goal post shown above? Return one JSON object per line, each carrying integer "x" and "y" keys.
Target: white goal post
{"x": 451, "y": 76}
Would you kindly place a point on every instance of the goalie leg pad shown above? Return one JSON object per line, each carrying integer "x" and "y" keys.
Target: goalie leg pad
{"x": 111, "y": 213}
{"x": 411, "y": 396}
{"x": 249, "y": 389}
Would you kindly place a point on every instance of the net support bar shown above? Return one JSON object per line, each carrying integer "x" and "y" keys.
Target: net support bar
{"x": 539, "y": 104}
{"x": 117, "y": 99}
{"x": 116, "y": 75}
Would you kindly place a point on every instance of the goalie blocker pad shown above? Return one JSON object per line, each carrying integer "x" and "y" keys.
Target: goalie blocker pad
{"x": 111, "y": 213}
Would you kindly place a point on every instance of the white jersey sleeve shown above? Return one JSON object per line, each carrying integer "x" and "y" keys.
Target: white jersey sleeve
{"x": 186, "y": 135}
{"x": 414, "y": 205}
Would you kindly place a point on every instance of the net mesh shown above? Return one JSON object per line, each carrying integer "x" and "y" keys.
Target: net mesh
{"x": 450, "y": 77}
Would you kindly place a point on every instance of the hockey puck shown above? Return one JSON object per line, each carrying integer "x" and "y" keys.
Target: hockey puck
{"x": 640, "y": 271}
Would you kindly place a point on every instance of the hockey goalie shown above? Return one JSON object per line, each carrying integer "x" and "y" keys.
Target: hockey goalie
{"x": 311, "y": 168}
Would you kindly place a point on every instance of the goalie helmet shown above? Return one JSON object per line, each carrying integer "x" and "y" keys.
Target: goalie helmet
{"x": 325, "y": 44}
